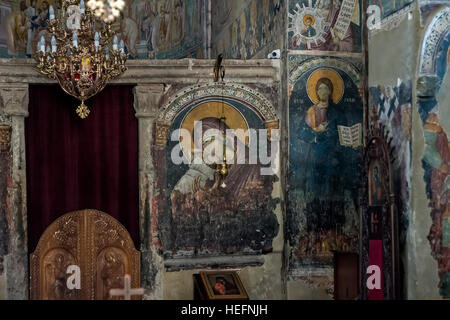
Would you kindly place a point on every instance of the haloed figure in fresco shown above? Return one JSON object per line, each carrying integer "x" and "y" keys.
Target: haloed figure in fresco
{"x": 325, "y": 172}
{"x": 316, "y": 116}
{"x": 309, "y": 31}
{"x": 204, "y": 210}
{"x": 324, "y": 169}
{"x": 201, "y": 181}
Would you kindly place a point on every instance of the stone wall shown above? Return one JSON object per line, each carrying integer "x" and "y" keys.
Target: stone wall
{"x": 157, "y": 84}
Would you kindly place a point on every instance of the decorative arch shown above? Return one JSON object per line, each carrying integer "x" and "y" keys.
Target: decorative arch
{"x": 349, "y": 68}
{"x": 434, "y": 36}
{"x": 185, "y": 97}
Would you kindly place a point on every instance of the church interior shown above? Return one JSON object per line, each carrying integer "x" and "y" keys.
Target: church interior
{"x": 183, "y": 149}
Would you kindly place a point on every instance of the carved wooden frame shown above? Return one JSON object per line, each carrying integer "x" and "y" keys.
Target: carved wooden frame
{"x": 83, "y": 235}
{"x": 378, "y": 147}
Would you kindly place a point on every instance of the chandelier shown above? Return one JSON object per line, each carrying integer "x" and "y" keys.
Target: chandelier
{"x": 108, "y": 10}
{"x": 83, "y": 53}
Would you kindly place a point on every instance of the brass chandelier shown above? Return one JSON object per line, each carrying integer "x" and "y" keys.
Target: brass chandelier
{"x": 83, "y": 53}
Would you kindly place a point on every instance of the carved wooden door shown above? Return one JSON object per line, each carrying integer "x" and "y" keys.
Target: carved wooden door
{"x": 91, "y": 240}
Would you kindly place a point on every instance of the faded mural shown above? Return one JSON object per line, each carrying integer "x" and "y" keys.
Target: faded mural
{"x": 325, "y": 25}
{"x": 435, "y": 118}
{"x": 393, "y": 106}
{"x": 390, "y": 112}
{"x": 389, "y": 7}
{"x": 151, "y": 29}
{"x": 243, "y": 34}
{"x": 202, "y": 216}
{"x": 325, "y": 123}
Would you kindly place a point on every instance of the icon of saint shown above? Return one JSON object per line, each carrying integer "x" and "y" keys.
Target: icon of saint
{"x": 309, "y": 31}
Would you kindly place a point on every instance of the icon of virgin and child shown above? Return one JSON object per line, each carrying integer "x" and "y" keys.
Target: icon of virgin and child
{"x": 202, "y": 184}
{"x": 209, "y": 207}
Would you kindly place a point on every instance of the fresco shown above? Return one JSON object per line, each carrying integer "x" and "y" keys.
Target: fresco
{"x": 325, "y": 123}
{"x": 390, "y": 109}
{"x": 325, "y": 25}
{"x": 205, "y": 217}
{"x": 393, "y": 105}
{"x": 436, "y": 159}
{"x": 389, "y": 7}
{"x": 151, "y": 29}
{"x": 259, "y": 24}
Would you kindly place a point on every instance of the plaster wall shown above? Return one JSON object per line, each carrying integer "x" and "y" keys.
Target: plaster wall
{"x": 393, "y": 56}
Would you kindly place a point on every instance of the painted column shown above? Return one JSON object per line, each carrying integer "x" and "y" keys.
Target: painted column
{"x": 14, "y": 106}
{"x": 146, "y": 103}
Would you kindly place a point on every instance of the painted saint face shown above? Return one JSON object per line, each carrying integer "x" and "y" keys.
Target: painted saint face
{"x": 324, "y": 92}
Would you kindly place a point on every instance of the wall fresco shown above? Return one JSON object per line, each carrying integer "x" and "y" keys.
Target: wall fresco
{"x": 393, "y": 106}
{"x": 390, "y": 111}
{"x": 435, "y": 118}
{"x": 389, "y": 7}
{"x": 242, "y": 29}
{"x": 202, "y": 217}
{"x": 325, "y": 25}
{"x": 151, "y": 29}
{"x": 325, "y": 123}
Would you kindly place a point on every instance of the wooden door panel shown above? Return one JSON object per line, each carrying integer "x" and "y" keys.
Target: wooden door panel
{"x": 92, "y": 240}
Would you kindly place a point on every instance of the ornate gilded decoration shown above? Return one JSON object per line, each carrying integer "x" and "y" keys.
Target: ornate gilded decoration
{"x": 108, "y": 10}
{"x": 67, "y": 233}
{"x": 5, "y": 138}
{"x": 95, "y": 242}
{"x": 80, "y": 55}
{"x": 112, "y": 271}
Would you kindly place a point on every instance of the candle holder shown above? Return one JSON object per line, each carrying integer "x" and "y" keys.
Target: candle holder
{"x": 84, "y": 53}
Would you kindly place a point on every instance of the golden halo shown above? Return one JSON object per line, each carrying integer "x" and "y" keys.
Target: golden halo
{"x": 336, "y": 80}
{"x": 313, "y": 20}
{"x": 234, "y": 120}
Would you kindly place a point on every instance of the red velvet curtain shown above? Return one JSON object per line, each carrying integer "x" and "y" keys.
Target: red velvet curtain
{"x": 75, "y": 164}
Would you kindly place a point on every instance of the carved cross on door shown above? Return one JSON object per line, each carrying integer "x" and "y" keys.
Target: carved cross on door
{"x": 126, "y": 292}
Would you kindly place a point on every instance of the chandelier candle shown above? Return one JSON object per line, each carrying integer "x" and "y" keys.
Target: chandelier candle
{"x": 80, "y": 57}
